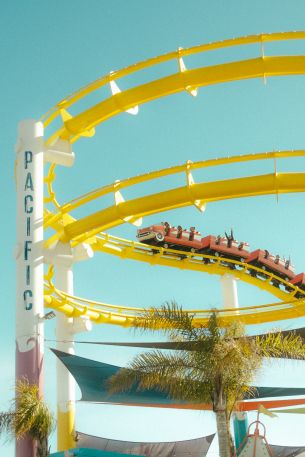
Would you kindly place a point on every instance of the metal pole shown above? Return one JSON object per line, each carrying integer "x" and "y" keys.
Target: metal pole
{"x": 64, "y": 335}
{"x": 29, "y": 259}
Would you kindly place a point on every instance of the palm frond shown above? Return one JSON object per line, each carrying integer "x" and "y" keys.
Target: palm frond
{"x": 289, "y": 346}
{"x": 32, "y": 416}
{"x": 174, "y": 374}
{"x": 6, "y": 420}
{"x": 149, "y": 369}
{"x": 28, "y": 415}
{"x": 170, "y": 319}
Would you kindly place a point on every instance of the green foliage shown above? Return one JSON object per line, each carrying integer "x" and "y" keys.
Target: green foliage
{"x": 28, "y": 415}
{"x": 6, "y": 420}
{"x": 32, "y": 415}
{"x": 277, "y": 345}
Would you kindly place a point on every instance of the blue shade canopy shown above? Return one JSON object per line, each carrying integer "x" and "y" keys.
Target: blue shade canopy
{"x": 92, "y": 376}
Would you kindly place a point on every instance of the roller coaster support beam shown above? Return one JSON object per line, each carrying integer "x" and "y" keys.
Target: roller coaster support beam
{"x": 63, "y": 258}
{"x": 229, "y": 291}
{"x": 29, "y": 258}
{"x": 230, "y": 300}
{"x": 64, "y": 380}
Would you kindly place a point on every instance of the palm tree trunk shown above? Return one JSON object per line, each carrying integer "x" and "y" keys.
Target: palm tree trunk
{"x": 43, "y": 447}
{"x": 230, "y": 438}
{"x": 223, "y": 433}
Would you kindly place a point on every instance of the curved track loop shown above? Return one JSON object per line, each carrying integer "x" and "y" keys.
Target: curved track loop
{"x": 197, "y": 194}
{"x": 88, "y": 229}
{"x": 185, "y": 168}
{"x": 103, "y": 313}
{"x": 84, "y": 122}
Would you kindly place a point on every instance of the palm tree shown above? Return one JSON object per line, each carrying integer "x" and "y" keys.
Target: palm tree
{"x": 217, "y": 365}
{"x": 28, "y": 416}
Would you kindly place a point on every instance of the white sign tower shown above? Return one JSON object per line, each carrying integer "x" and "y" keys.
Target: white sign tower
{"x": 29, "y": 258}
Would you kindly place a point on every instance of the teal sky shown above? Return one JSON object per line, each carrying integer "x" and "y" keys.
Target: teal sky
{"x": 50, "y": 49}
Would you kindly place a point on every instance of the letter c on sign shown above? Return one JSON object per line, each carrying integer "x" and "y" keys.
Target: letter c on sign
{"x": 27, "y": 207}
{"x": 26, "y": 295}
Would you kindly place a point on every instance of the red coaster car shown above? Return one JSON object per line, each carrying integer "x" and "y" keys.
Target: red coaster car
{"x": 191, "y": 240}
{"x": 225, "y": 247}
{"x": 273, "y": 264}
{"x": 171, "y": 237}
{"x": 299, "y": 280}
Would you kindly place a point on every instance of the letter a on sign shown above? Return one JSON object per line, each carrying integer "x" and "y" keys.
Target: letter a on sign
{"x": 29, "y": 182}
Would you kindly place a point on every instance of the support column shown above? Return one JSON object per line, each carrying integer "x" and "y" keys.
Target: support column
{"x": 64, "y": 336}
{"x": 230, "y": 300}
{"x": 29, "y": 258}
{"x": 63, "y": 257}
{"x": 229, "y": 291}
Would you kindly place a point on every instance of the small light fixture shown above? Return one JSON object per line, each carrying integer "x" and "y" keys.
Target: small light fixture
{"x": 48, "y": 316}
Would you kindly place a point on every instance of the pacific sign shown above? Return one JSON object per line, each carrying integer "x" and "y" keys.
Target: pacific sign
{"x": 28, "y": 210}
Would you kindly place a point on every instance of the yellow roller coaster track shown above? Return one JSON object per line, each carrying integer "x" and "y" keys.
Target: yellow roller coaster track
{"x": 83, "y": 123}
{"x": 88, "y": 229}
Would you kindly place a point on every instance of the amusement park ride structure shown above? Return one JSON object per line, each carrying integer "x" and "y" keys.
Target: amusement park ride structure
{"x": 73, "y": 240}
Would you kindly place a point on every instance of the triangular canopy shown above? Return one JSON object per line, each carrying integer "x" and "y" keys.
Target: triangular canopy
{"x": 92, "y": 377}
{"x": 175, "y": 345}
